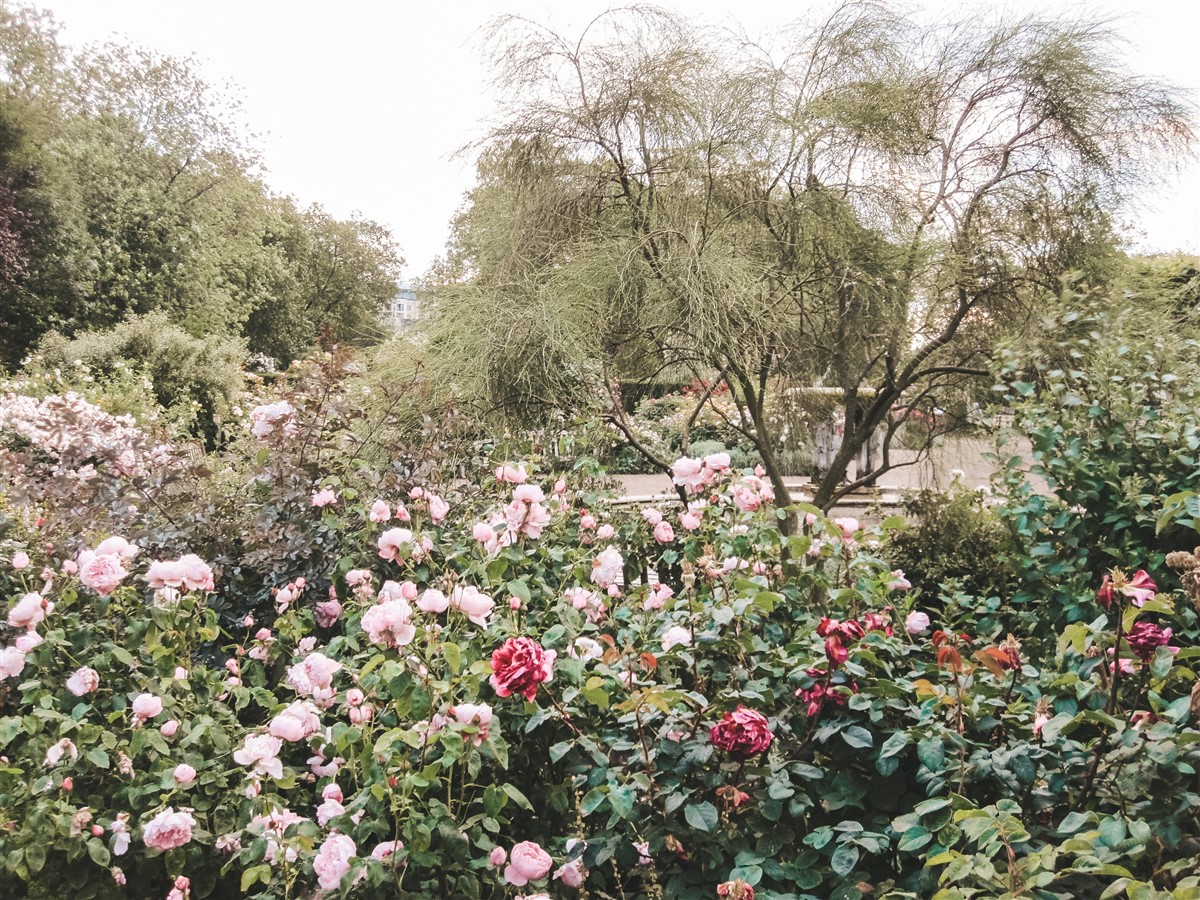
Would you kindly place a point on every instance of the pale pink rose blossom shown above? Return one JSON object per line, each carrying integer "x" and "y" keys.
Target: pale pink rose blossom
{"x": 389, "y": 624}
{"x": 324, "y": 497}
{"x": 676, "y": 636}
{"x": 916, "y": 622}
{"x": 30, "y": 611}
{"x": 184, "y": 774}
{"x": 380, "y": 512}
{"x": 527, "y": 862}
{"x": 169, "y": 728}
{"x": 84, "y": 681}
{"x": 497, "y": 857}
{"x": 510, "y": 474}
{"x": 438, "y": 509}
{"x": 103, "y": 573}
{"x": 355, "y": 697}
{"x": 12, "y": 662}
{"x": 483, "y": 532}
{"x": 146, "y": 706}
{"x": 391, "y": 542}
{"x": 607, "y": 567}
{"x": 327, "y": 613}
{"x": 688, "y": 473}
{"x": 20, "y": 560}
{"x": 663, "y": 533}
{"x": 658, "y": 597}
{"x": 332, "y": 861}
{"x": 70, "y": 567}
{"x": 356, "y": 577}
{"x": 643, "y": 852}
{"x": 298, "y": 721}
{"x": 572, "y": 874}
{"x": 898, "y": 582}
{"x": 433, "y": 602}
{"x": 585, "y": 648}
{"x": 117, "y": 546}
{"x": 588, "y": 602}
{"x": 472, "y": 603}
{"x": 477, "y": 714}
{"x": 360, "y": 715}
{"x": 690, "y": 520}
{"x": 329, "y": 809}
{"x": 27, "y": 641}
{"x": 848, "y": 525}
{"x": 188, "y": 572}
{"x": 605, "y": 532}
{"x": 169, "y": 829}
{"x": 652, "y": 516}
{"x": 587, "y": 521}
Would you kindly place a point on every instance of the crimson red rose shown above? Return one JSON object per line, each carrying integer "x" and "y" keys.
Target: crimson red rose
{"x": 519, "y": 665}
{"x": 742, "y": 732}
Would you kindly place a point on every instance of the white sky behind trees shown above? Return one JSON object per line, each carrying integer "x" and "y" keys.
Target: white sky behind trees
{"x": 360, "y": 106}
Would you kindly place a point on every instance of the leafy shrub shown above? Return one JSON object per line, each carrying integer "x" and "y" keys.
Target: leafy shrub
{"x": 197, "y": 379}
{"x": 954, "y": 541}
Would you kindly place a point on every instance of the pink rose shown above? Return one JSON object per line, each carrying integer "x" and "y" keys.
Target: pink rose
{"x": 146, "y": 706}
{"x": 571, "y": 874}
{"x": 169, "y": 829}
{"x": 663, "y": 532}
{"x": 324, "y": 497}
{"x": 84, "y": 681}
{"x": 477, "y": 714}
{"x": 297, "y": 722}
{"x": 20, "y": 560}
{"x": 433, "y": 602}
{"x": 184, "y": 774}
{"x": 261, "y": 752}
{"x": 389, "y": 624}
{"x": 168, "y": 728}
{"x": 587, "y": 521}
{"x": 391, "y": 542}
{"x": 848, "y": 526}
{"x": 605, "y": 532}
{"x": 519, "y": 665}
{"x": 897, "y": 581}
{"x": 690, "y": 520}
{"x": 332, "y": 861}
{"x": 742, "y": 733}
{"x": 652, "y": 516}
{"x": 510, "y": 474}
{"x": 30, "y": 611}
{"x": 483, "y": 532}
{"x": 327, "y": 613}
{"x": 688, "y": 473}
{"x": 101, "y": 572}
{"x": 117, "y": 546}
{"x": 916, "y": 622}
{"x": 380, "y": 512}
{"x": 497, "y": 857}
{"x": 676, "y": 636}
{"x": 607, "y": 567}
{"x": 476, "y": 606}
{"x": 527, "y": 862}
{"x": 12, "y": 662}
{"x": 438, "y": 508}
{"x": 386, "y": 849}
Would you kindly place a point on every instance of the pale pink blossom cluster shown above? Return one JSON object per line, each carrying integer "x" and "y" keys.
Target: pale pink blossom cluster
{"x": 590, "y": 603}
{"x": 103, "y": 569}
{"x": 437, "y": 506}
{"x": 658, "y": 596}
{"x": 288, "y": 594}
{"x": 273, "y": 827}
{"x": 476, "y": 714}
{"x": 300, "y": 720}
{"x": 381, "y": 512}
{"x": 169, "y": 577}
{"x": 697, "y": 475}
{"x": 267, "y": 418}
{"x": 525, "y": 515}
{"x": 507, "y": 474}
{"x": 313, "y": 678}
{"x": 751, "y": 493}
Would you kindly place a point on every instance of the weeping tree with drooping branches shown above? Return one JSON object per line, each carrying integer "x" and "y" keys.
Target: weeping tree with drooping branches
{"x": 863, "y": 205}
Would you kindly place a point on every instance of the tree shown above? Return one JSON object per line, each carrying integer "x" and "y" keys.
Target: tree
{"x": 864, "y": 208}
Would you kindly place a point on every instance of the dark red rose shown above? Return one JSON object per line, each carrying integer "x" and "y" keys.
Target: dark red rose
{"x": 742, "y": 733}
{"x": 519, "y": 665}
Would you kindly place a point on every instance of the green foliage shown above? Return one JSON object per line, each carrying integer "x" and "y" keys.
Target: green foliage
{"x": 129, "y": 188}
{"x": 1106, "y": 397}
{"x": 954, "y": 542}
{"x": 195, "y": 381}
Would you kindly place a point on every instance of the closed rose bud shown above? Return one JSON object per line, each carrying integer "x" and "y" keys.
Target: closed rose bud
{"x": 97, "y": 831}
{"x": 514, "y": 603}
{"x": 68, "y": 783}
{"x": 497, "y": 857}
{"x": 184, "y": 774}
{"x": 355, "y": 697}
{"x": 168, "y": 728}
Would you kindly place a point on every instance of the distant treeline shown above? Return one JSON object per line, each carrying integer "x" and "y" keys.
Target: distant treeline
{"x": 128, "y": 186}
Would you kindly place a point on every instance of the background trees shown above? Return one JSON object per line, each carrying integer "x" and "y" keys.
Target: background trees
{"x": 127, "y": 187}
{"x": 864, "y": 207}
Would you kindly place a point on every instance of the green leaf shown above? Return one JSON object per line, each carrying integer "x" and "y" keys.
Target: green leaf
{"x": 453, "y": 654}
{"x": 857, "y": 736}
{"x": 520, "y": 589}
{"x": 894, "y": 744}
{"x": 932, "y": 753}
{"x": 621, "y": 801}
{"x": 701, "y": 816}
{"x": 517, "y": 797}
{"x": 845, "y": 858}
{"x": 1073, "y": 822}
{"x": 98, "y": 758}
{"x": 98, "y": 852}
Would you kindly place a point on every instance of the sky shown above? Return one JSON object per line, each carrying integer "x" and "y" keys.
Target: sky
{"x": 362, "y": 106}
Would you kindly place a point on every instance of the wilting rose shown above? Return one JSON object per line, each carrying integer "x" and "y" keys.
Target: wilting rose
{"x": 735, "y": 890}
{"x": 742, "y": 733}
{"x": 84, "y": 681}
{"x": 29, "y": 611}
{"x": 327, "y": 613}
{"x": 519, "y": 665}
{"x": 1146, "y": 637}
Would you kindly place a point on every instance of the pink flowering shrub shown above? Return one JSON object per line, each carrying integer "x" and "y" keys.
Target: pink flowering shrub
{"x": 512, "y": 687}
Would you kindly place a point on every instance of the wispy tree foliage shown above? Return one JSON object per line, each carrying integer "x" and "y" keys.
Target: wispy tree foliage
{"x": 862, "y": 205}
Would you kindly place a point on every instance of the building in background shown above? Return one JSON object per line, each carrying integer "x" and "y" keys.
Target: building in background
{"x": 405, "y": 308}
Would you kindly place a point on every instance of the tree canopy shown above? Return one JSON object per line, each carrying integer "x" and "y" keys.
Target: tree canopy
{"x": 127, "y": 186}
{"x": 862, "y": 206}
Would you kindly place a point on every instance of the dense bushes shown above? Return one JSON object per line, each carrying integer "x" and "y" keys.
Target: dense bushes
{"x": 464, "y": 688}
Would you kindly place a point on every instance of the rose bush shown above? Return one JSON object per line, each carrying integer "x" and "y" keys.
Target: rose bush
{"x": 532, "y": 711}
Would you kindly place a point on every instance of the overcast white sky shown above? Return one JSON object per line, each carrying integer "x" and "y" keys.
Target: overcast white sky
{"x": 361, "y": 105}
